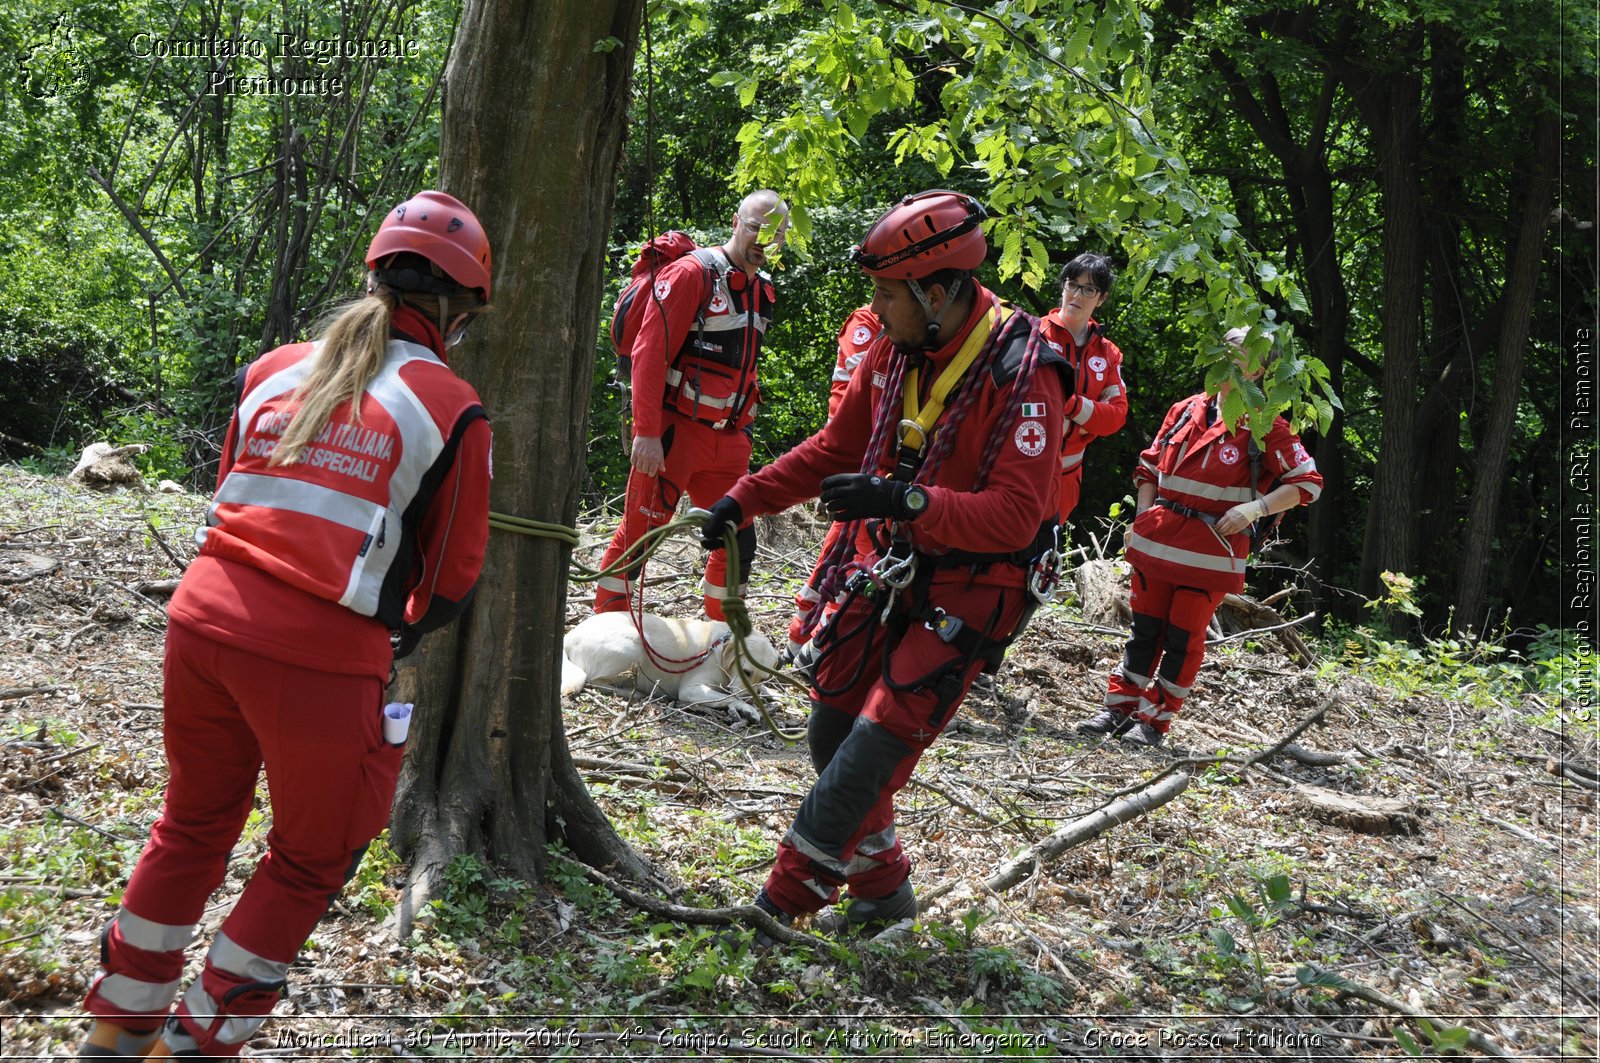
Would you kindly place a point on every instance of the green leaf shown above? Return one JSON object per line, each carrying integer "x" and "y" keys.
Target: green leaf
{"x": 1407, "y": 1043}
{"x": 607, "y": 44}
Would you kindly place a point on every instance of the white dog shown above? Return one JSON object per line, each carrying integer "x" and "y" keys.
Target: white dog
{"x": 607, "y": 647}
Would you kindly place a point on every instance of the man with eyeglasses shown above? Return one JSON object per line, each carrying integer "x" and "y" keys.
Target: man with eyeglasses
{"x": 1100, "y": 405}
{"x": 695, "y": 391}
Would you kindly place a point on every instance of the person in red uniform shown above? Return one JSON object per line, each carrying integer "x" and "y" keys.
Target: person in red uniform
{"x": 695, "y": 391}
{"x": 1188, "y": 545}
{"x": 352, "y": 505}
{"x": 855, "y": 338}
{"x": 1099, "y": 406}
{"x": 957, "y": 502}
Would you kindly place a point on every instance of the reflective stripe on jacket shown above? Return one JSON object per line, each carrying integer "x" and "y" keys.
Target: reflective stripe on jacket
{"x": 342, "y": 522}
{"x": 713, "y": 377}
{"x": 1206, "y": 468}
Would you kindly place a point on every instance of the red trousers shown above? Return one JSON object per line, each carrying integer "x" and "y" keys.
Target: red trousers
{"x": 700, "y": 461}
{"x": 331, "y": 778}
{"x": 1164, "y": 653}
{"x": 869, "y": 727}
{"x": 809, "y": 597}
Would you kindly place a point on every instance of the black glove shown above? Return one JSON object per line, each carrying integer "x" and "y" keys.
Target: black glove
{"x": 725, "y": 516}
{"x": 859, "y": 495}
{"x": 404, "y": 641}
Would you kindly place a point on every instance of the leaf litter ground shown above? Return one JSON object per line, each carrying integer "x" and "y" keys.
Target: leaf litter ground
{"x": 1240, "y": 919}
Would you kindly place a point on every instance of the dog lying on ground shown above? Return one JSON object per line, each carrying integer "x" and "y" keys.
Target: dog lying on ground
{"x": 607, "y": 647}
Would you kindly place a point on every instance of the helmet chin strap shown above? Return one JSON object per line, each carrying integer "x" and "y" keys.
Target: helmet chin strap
{"x": 935, "y": 323}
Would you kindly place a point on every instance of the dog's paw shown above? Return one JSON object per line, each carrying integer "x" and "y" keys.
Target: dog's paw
{"x": 743, "y": 712}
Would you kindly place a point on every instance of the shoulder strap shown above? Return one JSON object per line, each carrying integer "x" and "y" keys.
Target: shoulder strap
{"x": 1177, "y": 426}
{"x": 923, "y": 417}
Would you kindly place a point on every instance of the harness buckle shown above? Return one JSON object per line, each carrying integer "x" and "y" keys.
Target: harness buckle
{"x": 905, "y": 426}
{"x": 941, "y": 623}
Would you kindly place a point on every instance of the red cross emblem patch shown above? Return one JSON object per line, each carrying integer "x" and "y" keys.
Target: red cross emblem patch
{"x": 662, "y": 288}
{"x": 861, "y": 335}
{"x": 1030, "y": 438}
{"x": 1228, "y": 454}
{"x": 718, "y": 304}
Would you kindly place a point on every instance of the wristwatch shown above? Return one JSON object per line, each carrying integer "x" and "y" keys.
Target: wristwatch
{"x": 915, "y": 501}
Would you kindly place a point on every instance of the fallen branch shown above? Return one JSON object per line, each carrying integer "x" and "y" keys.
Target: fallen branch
{"x": 1263, "y": 619}
{"x": 27, "y": 692}
{"x": 1475, "y": 1040}
{"x": 183, "y": 565}
{"x": 1083, "y": 829}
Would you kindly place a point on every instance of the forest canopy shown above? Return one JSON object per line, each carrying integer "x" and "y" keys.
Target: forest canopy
{"x": 1398, "y": 195}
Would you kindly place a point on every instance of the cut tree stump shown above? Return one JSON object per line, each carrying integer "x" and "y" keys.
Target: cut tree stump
{"x": 1364, "y": 815}
{"x": 1240, "y": 612}
{"x": 1102, "y": 588}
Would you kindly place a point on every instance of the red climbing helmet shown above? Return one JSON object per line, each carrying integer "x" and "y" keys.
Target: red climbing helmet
{"x": 923, "y": 234}
{"x": 441, "y": 229}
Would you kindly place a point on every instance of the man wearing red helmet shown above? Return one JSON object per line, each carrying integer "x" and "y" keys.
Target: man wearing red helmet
{"x": 351, "y": 507}
{"x": 944, "y": 457}
{"x": 695, "y": 391}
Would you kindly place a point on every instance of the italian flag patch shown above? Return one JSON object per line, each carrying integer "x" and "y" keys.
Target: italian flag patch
{"x": 1033, "y": 409}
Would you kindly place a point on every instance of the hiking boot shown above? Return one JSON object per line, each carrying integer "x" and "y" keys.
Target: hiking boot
{"x": 868, "y": 915}
{"x": 1107, "y": 722}
{"x": 804, "y": 659}
{"x": 759, "y": 939}
{"x": 1145, "y": 735}
{"x": 175, "y": 1043}
{"x": 108, "y": 1041}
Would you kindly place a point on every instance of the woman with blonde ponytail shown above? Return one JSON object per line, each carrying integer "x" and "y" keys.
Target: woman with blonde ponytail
{"x": 350, "y": 517}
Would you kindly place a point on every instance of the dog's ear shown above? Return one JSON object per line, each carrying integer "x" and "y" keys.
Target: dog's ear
{"x": 727, "y": 658}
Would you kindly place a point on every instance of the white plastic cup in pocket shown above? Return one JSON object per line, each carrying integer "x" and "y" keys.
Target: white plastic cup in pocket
{"x": 396, "y": 722}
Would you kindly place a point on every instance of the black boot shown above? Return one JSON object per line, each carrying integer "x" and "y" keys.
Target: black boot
{"x": 1108, "y": 722}
{"x": 869, "y": 915}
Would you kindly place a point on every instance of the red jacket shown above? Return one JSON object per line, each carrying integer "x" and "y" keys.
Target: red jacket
{"x": 1003, "y": 517}
{"x": 1207, "y": 468}
{"x": 860, "y": 329}
{"x": 703, "y": 373}
{"x": 380, "y": 523}
{"x": 1099, "y": 405}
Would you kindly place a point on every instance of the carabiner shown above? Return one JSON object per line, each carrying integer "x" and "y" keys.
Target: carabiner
{"x": 898, "y": 575}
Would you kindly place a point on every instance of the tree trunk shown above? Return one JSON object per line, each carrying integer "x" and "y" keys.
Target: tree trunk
{"x": 534, "y": 123}
{"x": 1311, "y": 206}
{"x": 1522, "y": 282}
{"x": 1391, "y": 520}
{"x": 1438, "y": 427}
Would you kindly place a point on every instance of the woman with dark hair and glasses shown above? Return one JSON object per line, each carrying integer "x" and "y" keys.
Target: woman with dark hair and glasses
{"x": 1099, "y": 406}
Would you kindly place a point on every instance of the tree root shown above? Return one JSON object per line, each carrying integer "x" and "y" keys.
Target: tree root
{"x": 748, "y": 914}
